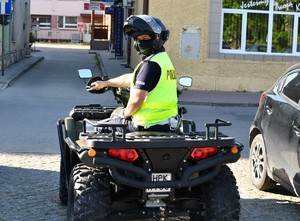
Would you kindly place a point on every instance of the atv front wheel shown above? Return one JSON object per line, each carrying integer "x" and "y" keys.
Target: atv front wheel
{"x": 89, "y": 194}
{"x": 63, "y": 191}
{"x": 218, "y": 198}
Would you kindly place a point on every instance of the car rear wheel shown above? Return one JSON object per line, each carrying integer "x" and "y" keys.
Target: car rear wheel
{"x": 258, "y": 165}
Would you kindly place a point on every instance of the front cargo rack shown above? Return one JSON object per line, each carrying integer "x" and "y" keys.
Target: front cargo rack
{"x": 91, "y": 111}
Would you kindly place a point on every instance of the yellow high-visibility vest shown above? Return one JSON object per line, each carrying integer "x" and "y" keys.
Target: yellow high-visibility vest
{"x": 161, "y": 103}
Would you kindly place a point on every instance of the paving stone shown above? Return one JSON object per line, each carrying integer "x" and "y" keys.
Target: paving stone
{"x": 29, "y": 191}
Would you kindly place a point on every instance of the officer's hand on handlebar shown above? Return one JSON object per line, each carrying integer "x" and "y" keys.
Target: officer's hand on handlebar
{"x": 96, "y": 85}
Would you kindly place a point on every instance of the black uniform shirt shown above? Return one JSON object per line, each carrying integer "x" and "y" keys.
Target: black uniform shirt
{"x": 148, "y": 75}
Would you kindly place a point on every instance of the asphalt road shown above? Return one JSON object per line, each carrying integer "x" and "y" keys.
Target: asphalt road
{"x": 29, "y": 152}
{"x": 46, "y": 93}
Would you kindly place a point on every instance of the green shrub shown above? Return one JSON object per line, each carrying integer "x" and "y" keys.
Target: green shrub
{"x": 31, "y": 38}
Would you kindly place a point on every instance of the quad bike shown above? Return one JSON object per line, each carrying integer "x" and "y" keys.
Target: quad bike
{"x": 106, "y": 174}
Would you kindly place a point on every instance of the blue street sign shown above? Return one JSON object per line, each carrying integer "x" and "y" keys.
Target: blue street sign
{"x": 109, "y": 10}
{"x": 5, "y": 7}
{"x": 119, "y": 31}
{"x": 108, "y": 2}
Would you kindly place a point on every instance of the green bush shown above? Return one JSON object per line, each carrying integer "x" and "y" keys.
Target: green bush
{"x": 31, "y": 38}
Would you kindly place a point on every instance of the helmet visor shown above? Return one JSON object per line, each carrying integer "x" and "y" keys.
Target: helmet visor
{"x": 137, "y": 25}
{"x": 152, "y": 23}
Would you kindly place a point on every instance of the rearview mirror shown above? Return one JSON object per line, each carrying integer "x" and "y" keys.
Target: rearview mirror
{"x": 186, "y": 81}
{"x": 85, "y": 73}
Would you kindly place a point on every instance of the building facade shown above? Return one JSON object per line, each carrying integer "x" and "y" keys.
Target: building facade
{"x": 229, "y": 45}
{"x": 15, "y": 33}
{"x": 68, "y": 20}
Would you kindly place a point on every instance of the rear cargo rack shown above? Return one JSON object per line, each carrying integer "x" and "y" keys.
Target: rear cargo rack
{"x": 218, "y": 123}
{"x": 117, "y": 137}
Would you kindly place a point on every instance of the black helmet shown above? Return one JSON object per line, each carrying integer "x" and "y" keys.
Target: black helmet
{"x": 136, "y": 25}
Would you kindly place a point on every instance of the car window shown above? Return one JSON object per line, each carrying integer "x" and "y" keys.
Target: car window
{"x": 291, "y": 87}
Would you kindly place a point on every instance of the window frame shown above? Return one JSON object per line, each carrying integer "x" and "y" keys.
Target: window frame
{"x": 271, "y": 12}
{"x": 65, "y": 25}
{"x": 42, "y": 25}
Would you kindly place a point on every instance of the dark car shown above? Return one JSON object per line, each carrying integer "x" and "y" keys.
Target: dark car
{"x": 275, "y": 135}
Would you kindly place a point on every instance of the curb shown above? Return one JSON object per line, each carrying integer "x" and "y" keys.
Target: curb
{"x": 19, "y": 70}
{"x": 218, "y": 104}
{"x": 204, "y": 98}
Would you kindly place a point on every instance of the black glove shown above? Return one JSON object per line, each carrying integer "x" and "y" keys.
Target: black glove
{"x": 98, "y": 78}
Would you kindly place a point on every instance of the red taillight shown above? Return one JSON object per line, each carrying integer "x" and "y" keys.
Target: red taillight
{"x": 200, "y": 153}
{"x": 129, "y": 155}
{"x": 262, "y": 97}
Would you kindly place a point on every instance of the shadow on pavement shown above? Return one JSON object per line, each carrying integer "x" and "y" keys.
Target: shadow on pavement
{"x": 29, "y": 194}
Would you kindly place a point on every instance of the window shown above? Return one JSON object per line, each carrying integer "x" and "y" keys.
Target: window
{"x": 291, "y": 87}
{"x": 43, "y": 22}
{"x": 282, "y": 35}
{"x": 67, "y": 22}
{"x": 232, "y": 31}
{"x": 260, "y": 27}
{"x": 256, "y": 32}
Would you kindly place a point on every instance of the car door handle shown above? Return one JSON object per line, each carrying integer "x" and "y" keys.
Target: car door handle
{"x": 296, "y": 129}
{"x": 269, "y": 110}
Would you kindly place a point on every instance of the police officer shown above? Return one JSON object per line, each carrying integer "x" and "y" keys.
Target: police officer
{"x": 153, "y": 88}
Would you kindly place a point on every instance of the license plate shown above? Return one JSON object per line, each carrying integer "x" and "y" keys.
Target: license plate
{"x": 157, "y": 177}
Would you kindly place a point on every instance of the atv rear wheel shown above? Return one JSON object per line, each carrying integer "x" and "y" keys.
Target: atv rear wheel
{"x": 89, "y": 194}
{"x": 220, "y": 198}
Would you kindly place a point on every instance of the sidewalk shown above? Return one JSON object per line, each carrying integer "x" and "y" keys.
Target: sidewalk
{"x": 16, "y": 70}
{"x": 114, "y": 67}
